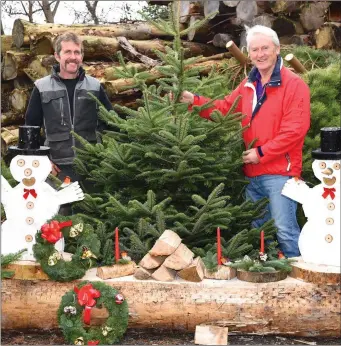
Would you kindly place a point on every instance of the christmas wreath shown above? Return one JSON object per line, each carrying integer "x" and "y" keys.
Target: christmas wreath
{"x": 74, "y": 314}
{"x": 81, "y": 241}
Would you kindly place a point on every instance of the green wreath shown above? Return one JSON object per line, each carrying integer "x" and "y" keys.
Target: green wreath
{"x": 74, "y": 313}
{"x": 80, "y": 240}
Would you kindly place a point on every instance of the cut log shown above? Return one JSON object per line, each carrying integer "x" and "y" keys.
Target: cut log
{"x": 316, "y": 274}
{"x": 231, "y": 3}
{"x": 211, "y": 335}
{"x": 116, "y": 86}
{"x": 264, "y": 19}
{"x": 287, "y": 27}
{"x": 283, "y": 6}
{"x": 9, "y": 136}
{"x": 334, "y": 13}
{"x": 116, "y": 271}
{"x": 260, "y": 277}
{"x": 166, "y": 244}
{"x": 301, "y": 40}
{"x": 313, "y": 14}
{"x": 22, "y": 82}
{"x": 105, "y": 47}
{"x": 42, "y": 64}
{"x": 151, "y": 262}
{"x": 27, "y": 270}
{"x": 164, "y": 274}
{"x": 184, "y": 11}
{"x": 23, "y": 29}
{"x": 14, "y": 62}
{"x": 19, "y": 100}
{"x": 211, "y": 6}
{"x": 237, "y": 53}
{"x": 180, "y": 258}
{"x": 223, "y": 273}
{"x": 6, "y": 43}
{"x": 143, "y": 274}
{"x": 328, "y": 37}
{"x": 195, "y": 272}
{"x": 220, "y": 40}
{"x": 246, "y": 11}
{"x": 295, "y": 63}
{"x": 289, "y": 307}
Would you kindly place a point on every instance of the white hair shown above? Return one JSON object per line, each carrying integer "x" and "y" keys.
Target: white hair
{"x": 261, "y": 29}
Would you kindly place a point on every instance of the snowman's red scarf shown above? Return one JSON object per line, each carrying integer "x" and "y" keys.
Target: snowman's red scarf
{"x": 30, "y": 191}
{"x": 328, "y": 191}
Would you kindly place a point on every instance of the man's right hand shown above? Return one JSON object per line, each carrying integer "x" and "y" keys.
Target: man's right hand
{"x": 186, "y": 97}
{"x": 55, "y": 169}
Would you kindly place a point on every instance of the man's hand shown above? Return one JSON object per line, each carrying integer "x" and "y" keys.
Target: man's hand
{"x": 250, "y": 156}
{"x": 55, "y": 169}
{"x": 186, "y": 97}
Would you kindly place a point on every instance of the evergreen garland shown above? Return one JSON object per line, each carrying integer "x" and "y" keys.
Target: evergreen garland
{"x": 70, "y": 314}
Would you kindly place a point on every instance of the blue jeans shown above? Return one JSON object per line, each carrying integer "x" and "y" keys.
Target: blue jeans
{"x": 280, "y": 208}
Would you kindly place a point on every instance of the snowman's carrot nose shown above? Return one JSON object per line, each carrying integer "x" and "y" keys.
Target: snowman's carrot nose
{"x": 328, "y": 171}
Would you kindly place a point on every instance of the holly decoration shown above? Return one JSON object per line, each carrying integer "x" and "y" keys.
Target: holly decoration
{"x": 81, "y": 241}
{"x": 74, "y": 314}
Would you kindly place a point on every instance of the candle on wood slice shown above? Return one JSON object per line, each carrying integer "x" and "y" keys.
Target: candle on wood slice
{"x": 218, "y": 246}
{"x": 262, "y": 241}
{"x": 117, "y": 245}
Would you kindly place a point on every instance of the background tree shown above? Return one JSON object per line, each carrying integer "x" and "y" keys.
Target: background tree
{"x": 21, "y": 8}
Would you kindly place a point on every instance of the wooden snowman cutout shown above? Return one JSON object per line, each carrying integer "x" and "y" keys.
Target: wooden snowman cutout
{"x": 319, "y": 241}
{"x": 32, "y": 202}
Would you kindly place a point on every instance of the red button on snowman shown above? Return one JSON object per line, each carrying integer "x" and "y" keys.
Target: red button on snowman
{"x": 319, "y": 241}
{"x": 32, "y": 202}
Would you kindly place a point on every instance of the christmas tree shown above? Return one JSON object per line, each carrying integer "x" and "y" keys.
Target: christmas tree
{"x": 162, "y": 166}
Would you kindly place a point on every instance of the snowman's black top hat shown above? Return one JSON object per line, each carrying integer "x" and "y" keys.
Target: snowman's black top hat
{"x": 330, "y": 144}
{"x": 29, "y": 142}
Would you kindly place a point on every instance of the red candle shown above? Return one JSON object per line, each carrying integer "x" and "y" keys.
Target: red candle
{"x": 262, "y": 241}
{"x": 117, "y": 245}
{"x": 218, "y": 246}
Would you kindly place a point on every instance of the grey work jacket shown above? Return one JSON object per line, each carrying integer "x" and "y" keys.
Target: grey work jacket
{"x": 57, "y": 114}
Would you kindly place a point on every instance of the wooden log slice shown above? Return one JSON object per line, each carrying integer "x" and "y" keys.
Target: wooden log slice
{"x": 316, "y": 274}
{"x": 116, "y": 271}
{"x": 27, "y": 270}
{"x": 259, "y": 277}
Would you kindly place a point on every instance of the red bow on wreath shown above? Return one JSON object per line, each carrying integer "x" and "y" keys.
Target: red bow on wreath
{"x": 85, "y": 297}
{"x": 51, "y": 232}
{"x": 328, "y": 191}
{"x": 30, "y": 191}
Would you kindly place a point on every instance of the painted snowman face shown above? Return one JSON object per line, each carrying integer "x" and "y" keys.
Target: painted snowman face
{"x": 327, "y": 171}
{"x": 30, "y": 169}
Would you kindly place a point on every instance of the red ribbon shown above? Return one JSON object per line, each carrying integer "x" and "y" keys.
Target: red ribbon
{"x": 93, "y": 342}
{"x": 85, "y": 297}
{"x": 51, "y": 232}
{"x": 30, "y": 191}
{"x": 328, "y": 191}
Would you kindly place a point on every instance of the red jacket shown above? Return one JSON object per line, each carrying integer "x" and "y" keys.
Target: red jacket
{"x": 279, "y": 120}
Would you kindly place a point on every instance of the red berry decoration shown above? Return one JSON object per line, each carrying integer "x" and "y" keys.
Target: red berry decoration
{"x": 119, "y": 299}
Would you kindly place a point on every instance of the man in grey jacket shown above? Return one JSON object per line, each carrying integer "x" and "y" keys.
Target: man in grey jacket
{"x": 61, "y": 102}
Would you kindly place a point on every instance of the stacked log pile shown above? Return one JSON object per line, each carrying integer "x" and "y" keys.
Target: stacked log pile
{"x": 27, "y": 54}
{"x": 169, "y": 258}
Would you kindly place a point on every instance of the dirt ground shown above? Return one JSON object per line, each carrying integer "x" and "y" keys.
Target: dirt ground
{"x": 157, "y": 337}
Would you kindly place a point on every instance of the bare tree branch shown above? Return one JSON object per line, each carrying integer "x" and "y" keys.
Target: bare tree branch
{"x": 92, "y": 10}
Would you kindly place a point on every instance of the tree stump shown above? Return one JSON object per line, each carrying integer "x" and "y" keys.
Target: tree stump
{"x": 260, "y": 277}
{"x": 316, "y": 274}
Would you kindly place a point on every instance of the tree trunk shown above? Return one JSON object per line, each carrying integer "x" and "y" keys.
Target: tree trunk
{"x": 210, "y": 6}
{"x": 14, "y": 63}
{"x": 19, "y": 100}
{"x": 116, "y": 86}
{"x": 106, "y": 48}
{"x": 42, "y": 64}
{"x": 136, "y": 31}
{"x": 288, "y": 307}
{"x": 283, "y": 6}
{"x": 246, "y": 11}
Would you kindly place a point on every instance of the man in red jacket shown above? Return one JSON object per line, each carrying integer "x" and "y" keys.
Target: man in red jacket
{"x": 276, "y": 103}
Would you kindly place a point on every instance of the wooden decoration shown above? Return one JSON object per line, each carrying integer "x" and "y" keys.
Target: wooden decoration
{"x": 27, "y": 270}
{"x": 295, "y": 63}
{"x": 166, "y": 244}
{"x": 260, "y": 277}
{"x": 223, "y": 273}
{"x": 236, "y": 52}
{"x": 194, "y": 272}
{"x": 116, "y": 270}
{"x": 151, "y": 262}
{"x": 143, "y": 274}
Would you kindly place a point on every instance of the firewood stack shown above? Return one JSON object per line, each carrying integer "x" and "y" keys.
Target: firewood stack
{"x": 169, "y": 258}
